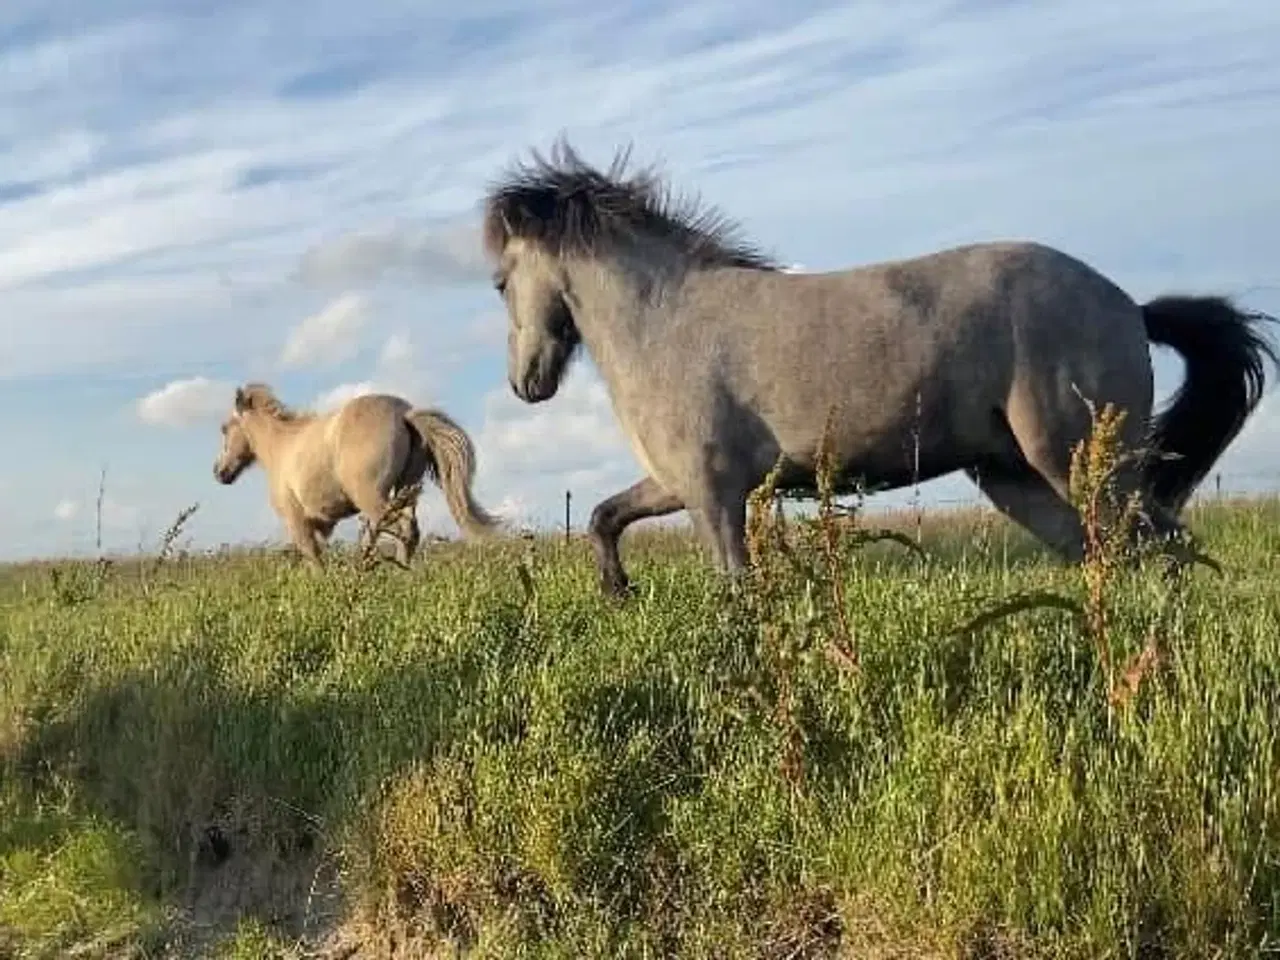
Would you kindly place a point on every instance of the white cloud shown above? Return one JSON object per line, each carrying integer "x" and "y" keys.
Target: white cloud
{"x": 335, "y": 397}
{"x": 182, "y": 403}
{"x": 574, "y": 430}
{"x": 514, "y": 510}
{"x": 330, "y": 336}
{"x": 116, "y": 516}
{"x": 398, "y": 371}
{"x": 530, "y": 455}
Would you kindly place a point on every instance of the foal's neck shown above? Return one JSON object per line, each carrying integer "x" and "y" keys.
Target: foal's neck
{"x": 266, "y": 434}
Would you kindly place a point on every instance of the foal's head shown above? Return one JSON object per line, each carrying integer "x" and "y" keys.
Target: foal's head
{"x": 542, "y": 215}
{"x": 238, "y": 453}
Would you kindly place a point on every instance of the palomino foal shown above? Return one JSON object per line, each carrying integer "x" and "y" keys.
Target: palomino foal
{"x": 324, "y": 467}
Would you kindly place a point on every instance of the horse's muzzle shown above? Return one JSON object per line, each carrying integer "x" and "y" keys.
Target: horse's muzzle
{"x": 535, "y": 389}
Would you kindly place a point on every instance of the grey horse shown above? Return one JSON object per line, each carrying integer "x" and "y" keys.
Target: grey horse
{"x": 718, "y": 362}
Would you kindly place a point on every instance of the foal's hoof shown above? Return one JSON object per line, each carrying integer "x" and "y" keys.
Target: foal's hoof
{"x": 617, "y": 588}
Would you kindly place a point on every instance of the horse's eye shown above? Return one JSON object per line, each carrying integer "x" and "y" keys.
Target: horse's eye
{"x": 500, "y": 283}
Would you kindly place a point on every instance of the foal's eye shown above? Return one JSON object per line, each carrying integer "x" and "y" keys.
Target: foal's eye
{"x": 500, "y": 283}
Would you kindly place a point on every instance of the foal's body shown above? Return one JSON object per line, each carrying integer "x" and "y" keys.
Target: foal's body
{"x": 975, "y": 358}
{"x": 324, "y": 468}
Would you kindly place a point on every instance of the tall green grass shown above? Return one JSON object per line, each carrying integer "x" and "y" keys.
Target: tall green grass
{"x": 237, "y": 757}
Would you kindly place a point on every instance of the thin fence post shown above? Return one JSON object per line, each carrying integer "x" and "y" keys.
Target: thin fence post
{"x": 1217, "y": 480}
{"x": 568, "y": 500}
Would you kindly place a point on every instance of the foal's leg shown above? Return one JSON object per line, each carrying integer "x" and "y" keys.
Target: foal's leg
{"x": 304, "y": 535}
{"x": 372, "y": 500}
{"x": 408, "y": 535}
{"x": 612, "y": 516}
{"x": 405, "y": 533}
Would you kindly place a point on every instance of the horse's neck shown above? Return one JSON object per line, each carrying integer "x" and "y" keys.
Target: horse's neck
{"x": 617, "y": 309}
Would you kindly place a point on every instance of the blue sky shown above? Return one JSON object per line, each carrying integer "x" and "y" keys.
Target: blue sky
{"x": 194, "y": 194}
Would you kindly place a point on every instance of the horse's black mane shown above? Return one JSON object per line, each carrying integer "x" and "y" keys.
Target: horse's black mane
{"x": 569, "y": 207}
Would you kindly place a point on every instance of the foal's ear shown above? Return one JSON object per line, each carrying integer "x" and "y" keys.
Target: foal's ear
{"x": 242, "y": 400}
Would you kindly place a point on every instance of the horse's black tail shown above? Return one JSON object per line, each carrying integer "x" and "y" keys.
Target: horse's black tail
{"x": 1225, "y": 353}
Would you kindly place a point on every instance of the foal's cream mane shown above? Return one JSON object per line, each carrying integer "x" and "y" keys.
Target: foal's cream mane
{"x": 260, "y": 398}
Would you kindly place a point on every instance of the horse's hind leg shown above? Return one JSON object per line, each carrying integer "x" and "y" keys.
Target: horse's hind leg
{"x": 1025, "y": 497}
{"x": 1033, "y": 484}
{"x": 612, "y": 516}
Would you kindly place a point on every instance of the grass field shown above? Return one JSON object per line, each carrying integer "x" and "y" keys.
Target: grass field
{"x": 234, "y": 757}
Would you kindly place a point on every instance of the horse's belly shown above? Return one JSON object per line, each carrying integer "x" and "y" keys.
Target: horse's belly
{"x": 889, "y": 450}
{"x": 638, "y": 450}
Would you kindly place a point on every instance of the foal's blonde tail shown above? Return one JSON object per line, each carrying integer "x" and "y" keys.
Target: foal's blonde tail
{"x": 451, "y": 464}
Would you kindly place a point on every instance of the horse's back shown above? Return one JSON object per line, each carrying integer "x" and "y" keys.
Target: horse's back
{"x": 929, "y": 347}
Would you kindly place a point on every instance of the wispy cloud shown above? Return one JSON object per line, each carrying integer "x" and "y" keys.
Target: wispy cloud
{"x": 330, "y": 336}
{"x": 398, "y": 371}
{"x": 448, "y": 254}
{"x": 170, "y": 222}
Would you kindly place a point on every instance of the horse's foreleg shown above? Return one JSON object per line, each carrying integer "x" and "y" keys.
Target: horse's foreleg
{"x": 721, "y": 525}
{"x": 612, "y": 516}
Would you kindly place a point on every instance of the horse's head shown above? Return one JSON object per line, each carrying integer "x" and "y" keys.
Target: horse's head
{"x": 541, "y": 333}
{"x": 237, "y": 453}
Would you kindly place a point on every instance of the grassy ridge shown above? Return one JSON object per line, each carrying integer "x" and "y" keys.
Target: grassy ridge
{"x": 236, "y": 755}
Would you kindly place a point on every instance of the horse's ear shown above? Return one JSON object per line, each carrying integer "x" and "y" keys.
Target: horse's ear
{"x": 242, "y": 400}
{"x": 508, "y": 231}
